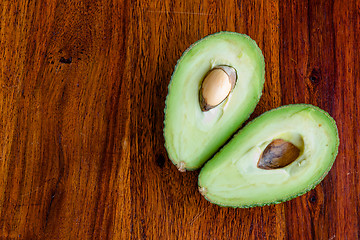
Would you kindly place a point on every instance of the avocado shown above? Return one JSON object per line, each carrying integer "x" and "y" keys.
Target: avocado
{"x": 214, "y": 88}
{"x": 278, "y": 156}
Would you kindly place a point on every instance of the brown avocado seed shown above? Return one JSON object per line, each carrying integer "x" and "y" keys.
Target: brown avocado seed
{"x": 279, "y": 153}
{"x": 216, "y": 86}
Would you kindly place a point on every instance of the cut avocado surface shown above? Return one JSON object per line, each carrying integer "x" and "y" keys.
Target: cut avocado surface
{"x": 233, "y": 176}
{"x": 194, "y": 131}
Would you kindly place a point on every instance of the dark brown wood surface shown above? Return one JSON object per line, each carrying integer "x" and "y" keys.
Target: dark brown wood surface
{"x": 82, "y": 96}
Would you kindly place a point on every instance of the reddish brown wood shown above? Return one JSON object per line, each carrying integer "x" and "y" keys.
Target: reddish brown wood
{"x": 82, "y": 93}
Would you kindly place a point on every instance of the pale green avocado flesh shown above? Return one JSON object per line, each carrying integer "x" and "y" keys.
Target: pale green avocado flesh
{"x": 232, "y": 178}
{"x": 191, "y": 135}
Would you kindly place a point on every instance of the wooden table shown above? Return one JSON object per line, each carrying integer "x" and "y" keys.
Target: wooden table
{"x": 82, "y": 96}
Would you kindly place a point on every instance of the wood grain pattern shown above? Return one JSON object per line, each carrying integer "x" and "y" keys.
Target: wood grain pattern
{"x": 82, "y": 93}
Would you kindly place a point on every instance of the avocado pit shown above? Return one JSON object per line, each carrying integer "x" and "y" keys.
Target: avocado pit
{"x": 279, "y": 153}
{"x": 216, "y": 86}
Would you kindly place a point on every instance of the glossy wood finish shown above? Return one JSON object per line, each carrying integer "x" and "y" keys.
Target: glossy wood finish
{"x": 82, "y": 94}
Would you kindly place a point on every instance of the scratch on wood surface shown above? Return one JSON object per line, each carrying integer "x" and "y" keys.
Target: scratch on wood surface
{"x": 198, "y": 215}
{"x": 142, "y": 37}
{"x": 180, "y": 12}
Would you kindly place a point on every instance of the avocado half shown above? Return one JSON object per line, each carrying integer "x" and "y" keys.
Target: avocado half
{"x": 192, "y": 136}
{"x": 233, "y": 178}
